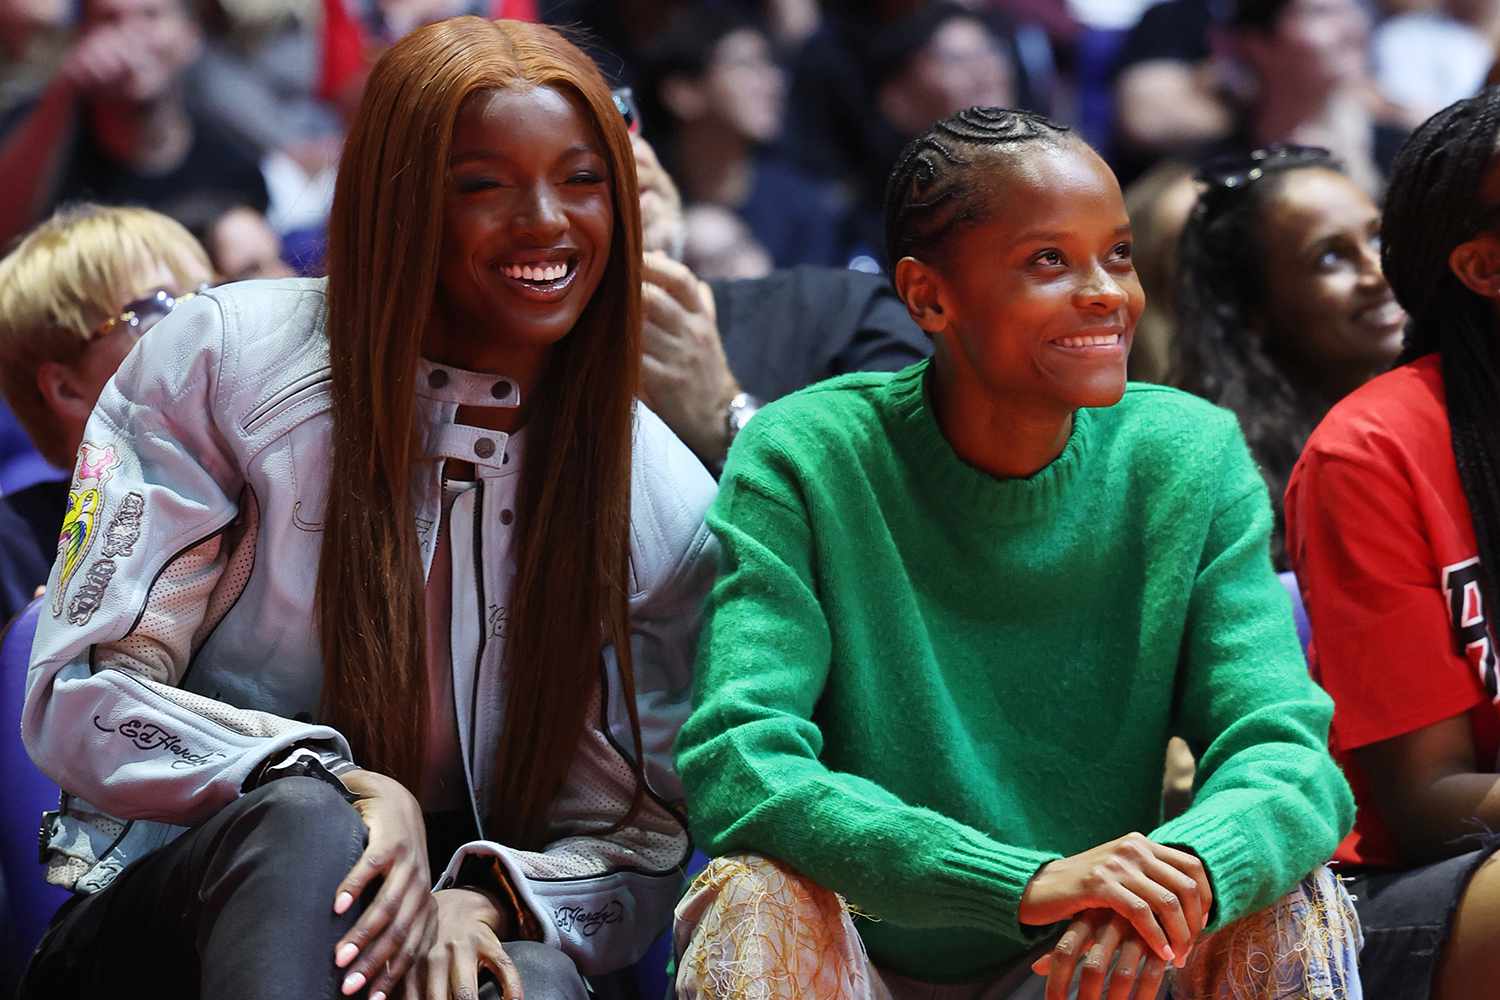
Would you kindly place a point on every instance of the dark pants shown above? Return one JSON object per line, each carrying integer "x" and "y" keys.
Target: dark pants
{"x": 240, "y": 907}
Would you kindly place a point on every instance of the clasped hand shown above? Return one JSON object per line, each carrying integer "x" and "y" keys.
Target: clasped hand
{"x": 429, "y": 944}
{"x": 1137, "y": 907}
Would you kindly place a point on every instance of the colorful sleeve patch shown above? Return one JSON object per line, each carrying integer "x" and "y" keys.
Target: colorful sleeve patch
{"x": 81, "y": 522}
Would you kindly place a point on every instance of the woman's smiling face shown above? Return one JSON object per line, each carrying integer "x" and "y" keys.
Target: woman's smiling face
{"x": 528, "y": 220}
{"x": 1041, "y": 298}
{"x": 1327, "y": 305}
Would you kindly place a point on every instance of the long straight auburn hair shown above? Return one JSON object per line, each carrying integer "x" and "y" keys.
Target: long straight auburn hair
{"x": 570, "y": 593}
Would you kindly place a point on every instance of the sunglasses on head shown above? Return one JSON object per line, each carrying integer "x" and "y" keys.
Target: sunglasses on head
{"x": 142, "y": 314}
{"x": 1231, "y": 172}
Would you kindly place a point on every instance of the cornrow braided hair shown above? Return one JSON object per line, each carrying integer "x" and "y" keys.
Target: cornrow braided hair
{"x": 931, "y": 190}
{"x": 1431, "y": 208}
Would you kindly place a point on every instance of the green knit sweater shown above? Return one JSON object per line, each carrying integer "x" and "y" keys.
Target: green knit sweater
{"x": 918, "y": 683}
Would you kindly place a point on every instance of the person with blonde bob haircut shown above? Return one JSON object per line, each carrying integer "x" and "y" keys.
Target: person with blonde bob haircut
{"x": 63, "y": 290}
{"x": 75, "y": 296}
{"x": 387, "y": 574}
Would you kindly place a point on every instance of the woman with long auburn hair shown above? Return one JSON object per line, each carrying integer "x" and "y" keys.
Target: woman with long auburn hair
{"x": 394, "y": 577}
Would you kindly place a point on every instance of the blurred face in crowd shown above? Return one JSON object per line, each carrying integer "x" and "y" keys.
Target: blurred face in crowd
{"x": 158, "y": 37}
{"x": 1327, "y": 302}
{"x": 742, "y": 87}
{"x": 1038, "y": 302}
{"x": 1316, "y": 45}
{"x": 962, "y": 66}
{"x": 243, "y": 245}
{"x": 527, "y": 227}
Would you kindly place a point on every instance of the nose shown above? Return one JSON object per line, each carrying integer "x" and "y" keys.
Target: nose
{"x": 540, "y": 216}
{"x": 1370, "y": 274}
{"x": 1100, "y": 293}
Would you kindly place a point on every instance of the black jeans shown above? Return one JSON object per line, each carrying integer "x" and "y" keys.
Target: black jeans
{"x": 238, "y": 908}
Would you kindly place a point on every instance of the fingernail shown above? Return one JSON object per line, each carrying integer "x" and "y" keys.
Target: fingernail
{"x": 1169, "y": 955}
{"x": 343, "y": 902}
{"x": 346, "y": 954}
{"x": 377, "y": 995}
{"x": 353, "y": 983}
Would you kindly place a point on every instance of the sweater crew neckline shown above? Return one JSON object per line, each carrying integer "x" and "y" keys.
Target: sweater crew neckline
{"x": 981, "y": 494}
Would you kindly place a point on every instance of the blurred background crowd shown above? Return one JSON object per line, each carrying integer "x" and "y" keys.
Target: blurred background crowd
{"x": 778, "y": 119}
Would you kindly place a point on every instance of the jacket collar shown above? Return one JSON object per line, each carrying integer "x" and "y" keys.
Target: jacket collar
{"x": 447, "y": 384}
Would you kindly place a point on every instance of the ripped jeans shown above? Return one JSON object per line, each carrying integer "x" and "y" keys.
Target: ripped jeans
{"x": 751, "y": 929}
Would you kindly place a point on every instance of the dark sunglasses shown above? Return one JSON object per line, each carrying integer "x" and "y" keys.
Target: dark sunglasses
{"x": 142, "y": 314}
{"x": 1232, "y": 172}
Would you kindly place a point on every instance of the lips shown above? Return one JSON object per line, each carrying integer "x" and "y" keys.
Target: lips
{"x": 541, "y": 277}
{"x": 1382, "y": 317}
{"x": 1109, "y": 338}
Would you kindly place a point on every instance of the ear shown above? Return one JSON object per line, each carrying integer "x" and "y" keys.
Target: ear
{"x": 921, "y": 289}
{"x": 683, "y": 98}
{"x": 1476, "y": 263}
{"x": 65, "y": 392}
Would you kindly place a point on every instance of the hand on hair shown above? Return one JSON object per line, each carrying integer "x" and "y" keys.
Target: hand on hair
{"x": 685, "y": 377}
{"x": 1113, "y": 957}
{"x": 469, "y": 929}
{"x": 1163, "y": 893}
{"x": 401, "y": 921}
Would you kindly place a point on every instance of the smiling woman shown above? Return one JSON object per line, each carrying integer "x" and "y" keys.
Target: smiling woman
{"x": 477, "y": 668}
{"x": 936, "y": 686}
{"x": 1282, "y": 306}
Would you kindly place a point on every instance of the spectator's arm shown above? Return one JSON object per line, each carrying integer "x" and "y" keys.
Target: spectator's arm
{"x": 31, "y": 157}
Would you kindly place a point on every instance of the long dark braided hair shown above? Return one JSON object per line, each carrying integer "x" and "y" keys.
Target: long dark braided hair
{"x": 1221, "y": 294}
{"x": 1431, "y": 207}
{"x": 933, "y": 190}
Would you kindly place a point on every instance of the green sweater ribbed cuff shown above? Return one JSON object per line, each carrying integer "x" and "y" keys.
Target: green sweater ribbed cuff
{"x": 982, "y": 882}
{"x": 1233, "y": 863}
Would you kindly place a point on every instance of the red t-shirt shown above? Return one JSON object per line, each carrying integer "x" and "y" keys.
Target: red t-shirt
{"x": 1378, "y": 530}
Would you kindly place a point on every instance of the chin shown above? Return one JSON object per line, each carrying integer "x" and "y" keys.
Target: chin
{"x": 1100, "y": 393}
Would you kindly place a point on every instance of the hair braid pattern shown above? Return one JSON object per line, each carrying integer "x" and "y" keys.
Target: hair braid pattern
{"x": 932, "y": 191}
{"x": 1431, "y": 208}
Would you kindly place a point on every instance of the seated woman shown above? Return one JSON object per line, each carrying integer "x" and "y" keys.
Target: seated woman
{"x": 1282, "y": 308}
{"x": 401, "y": 539}
{"x": 1393, "y": 523}
{"x": 960, "y": 611}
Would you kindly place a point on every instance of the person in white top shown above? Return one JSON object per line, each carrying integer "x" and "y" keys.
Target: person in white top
{"x": 372, "y": 575}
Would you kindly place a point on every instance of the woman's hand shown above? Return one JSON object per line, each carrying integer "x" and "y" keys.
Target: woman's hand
{"x": 1162, "y": 892}
{"x": 399, "y": 922}
{"x": 469, "y": 927}
{"x": 1113, "y": 954}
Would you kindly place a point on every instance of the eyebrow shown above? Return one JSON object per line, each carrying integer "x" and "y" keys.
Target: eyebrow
{"x": 1052, "y": 236}
{"x": 477, "y": 155}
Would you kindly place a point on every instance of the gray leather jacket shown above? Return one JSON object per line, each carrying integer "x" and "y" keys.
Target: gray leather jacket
{"x": 177, "y": 657}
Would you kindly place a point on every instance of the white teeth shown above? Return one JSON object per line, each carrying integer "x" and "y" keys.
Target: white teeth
{"x": 1108, "y": 341}
{"x": 538, "y": 272}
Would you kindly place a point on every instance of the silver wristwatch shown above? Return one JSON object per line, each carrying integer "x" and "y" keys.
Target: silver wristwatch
{"x": 741, "y": 408}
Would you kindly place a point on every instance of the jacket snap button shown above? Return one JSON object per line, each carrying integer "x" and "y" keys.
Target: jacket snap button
{"x": 437, "y": 378}
{"x": 500, "y": 389}
{"x": 484, "y": 447}
{"x": 506, "y": 517}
